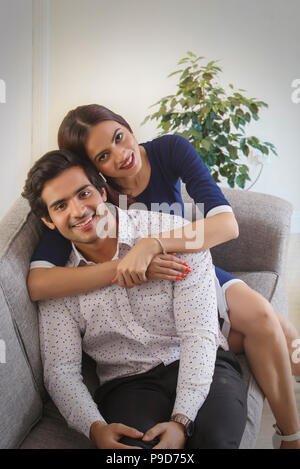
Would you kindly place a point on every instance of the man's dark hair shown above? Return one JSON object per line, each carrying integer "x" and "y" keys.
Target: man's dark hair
{"x": 48, "y": 167}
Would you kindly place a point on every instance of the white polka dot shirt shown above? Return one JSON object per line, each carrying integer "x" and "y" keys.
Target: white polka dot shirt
{"x": 130, "y": 331}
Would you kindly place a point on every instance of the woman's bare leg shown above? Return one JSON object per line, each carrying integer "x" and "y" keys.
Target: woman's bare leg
{"x": 236, "y": 342}
{"x": 293, "y": 342}
{"x": 266, "y": 348}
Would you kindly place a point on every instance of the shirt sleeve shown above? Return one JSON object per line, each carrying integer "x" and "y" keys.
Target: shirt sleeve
{"x": 61, "y": 351}
{"x": 200, "y": 184}
{"x": 196, "y": 318}
{"x": 52, "y": 250}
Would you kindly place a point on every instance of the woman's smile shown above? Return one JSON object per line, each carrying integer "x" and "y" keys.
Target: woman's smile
{"x": 129, "y": 162}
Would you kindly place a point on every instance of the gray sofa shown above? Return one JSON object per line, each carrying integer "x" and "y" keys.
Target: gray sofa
{"x": 28, "y": 418}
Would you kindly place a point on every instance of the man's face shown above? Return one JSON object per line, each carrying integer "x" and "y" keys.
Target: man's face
{"x": 72, "y": 203}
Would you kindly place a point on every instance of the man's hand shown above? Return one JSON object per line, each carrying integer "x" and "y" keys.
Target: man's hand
{"x": 107, "y": 436}
{"x": 171, "y": 435}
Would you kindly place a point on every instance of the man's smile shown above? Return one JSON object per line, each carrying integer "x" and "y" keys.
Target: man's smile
{"x": 86, "y": 223}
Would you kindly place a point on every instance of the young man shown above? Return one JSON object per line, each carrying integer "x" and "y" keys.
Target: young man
{"x": 167, "y": 379}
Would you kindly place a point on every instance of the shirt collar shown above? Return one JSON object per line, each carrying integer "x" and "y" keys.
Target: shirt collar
{"x": 127, "y": 234}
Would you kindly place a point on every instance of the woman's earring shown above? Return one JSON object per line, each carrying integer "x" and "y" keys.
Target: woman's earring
{"x": 100, "y": 174}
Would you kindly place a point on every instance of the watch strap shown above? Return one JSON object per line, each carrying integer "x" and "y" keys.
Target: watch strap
{"x": 185, "y": 421}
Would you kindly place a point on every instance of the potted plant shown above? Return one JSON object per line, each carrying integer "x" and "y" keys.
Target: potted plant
{"x": 211, "y": 119}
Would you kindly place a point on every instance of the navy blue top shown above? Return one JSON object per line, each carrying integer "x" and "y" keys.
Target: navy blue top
{"x": 171, "y": 158}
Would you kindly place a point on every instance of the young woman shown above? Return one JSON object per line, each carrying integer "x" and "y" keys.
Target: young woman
{"x": 151, "y": 173}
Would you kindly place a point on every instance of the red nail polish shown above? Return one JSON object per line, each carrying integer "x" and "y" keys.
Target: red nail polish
{"x": 183, "y": 275}
{"x": 188, "y": 270}
{"x": 178, "y": 278}
{"x": 186, "y": 264}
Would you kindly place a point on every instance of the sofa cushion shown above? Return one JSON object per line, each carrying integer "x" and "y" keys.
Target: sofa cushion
{"x": 52, "y": 432}
{"x": 20, "y": 404}
{"x": 21, "y": 376}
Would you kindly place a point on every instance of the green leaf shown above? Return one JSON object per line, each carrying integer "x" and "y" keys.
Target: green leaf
{"x": 215, "y": 175}
{"x": 205, "y": 144}
{"x": 243, "y": 169}
{"x": 221, "y": 140}
{"x": 145, "y": 120}
{"x": 233, "y": 152}
{"x": 196, "y": 133}
{"x": 185, "y": 73}
{"x": 226, "y": 125}
{"x": 265, "y": 150}
{"x": 235, "y": 121}
{"x": 240, "y": 180}
{"x": 245, "y": 149}
{"x": 253, "y": 108}
{"x": 174, "y": 73}
{"x": 211, "y": 160}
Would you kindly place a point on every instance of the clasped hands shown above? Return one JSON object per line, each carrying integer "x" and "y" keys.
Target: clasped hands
{"x": 144, "y": 261}
{"x": 106, "y": 436}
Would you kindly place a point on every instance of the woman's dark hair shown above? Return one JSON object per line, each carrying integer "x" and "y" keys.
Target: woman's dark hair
{"x": 51, "y": 165}
{"x": 74, "y": 130}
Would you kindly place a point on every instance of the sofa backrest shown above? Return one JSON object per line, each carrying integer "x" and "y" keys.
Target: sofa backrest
{"x": 21, "y": 380}
{"x": 264, "y": 226}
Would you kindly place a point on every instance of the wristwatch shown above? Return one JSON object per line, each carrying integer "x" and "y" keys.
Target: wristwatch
{"x": 186, "y": 422}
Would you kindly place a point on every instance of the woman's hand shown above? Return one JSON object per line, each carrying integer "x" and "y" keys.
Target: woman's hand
{"x": 131, "y": 270}
{"x": 134, "y": 268}
{"x": 167, "y": 267}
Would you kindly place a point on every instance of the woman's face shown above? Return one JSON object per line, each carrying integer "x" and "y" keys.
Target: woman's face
{"x": 113, "y": 149}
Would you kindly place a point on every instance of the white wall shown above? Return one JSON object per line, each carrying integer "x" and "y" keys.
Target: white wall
{"x": 16, "y": 107}
{"x": 120, "y": 53}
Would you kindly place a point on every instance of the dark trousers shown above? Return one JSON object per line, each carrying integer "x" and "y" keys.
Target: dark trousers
{"x": 143, "y": 400}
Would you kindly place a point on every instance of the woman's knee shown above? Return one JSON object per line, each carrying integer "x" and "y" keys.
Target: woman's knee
{"x": 252, "y": 313}
{"x": 265, "y": 321}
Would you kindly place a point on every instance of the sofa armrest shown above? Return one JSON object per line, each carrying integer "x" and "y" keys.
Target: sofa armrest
{"x": 264, "y": 227}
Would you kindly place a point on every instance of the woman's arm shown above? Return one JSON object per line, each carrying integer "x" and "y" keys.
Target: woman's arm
{"x": 201, "y": 234}
{"x": 192, "y": 237}
{"x": 57, "y": 282}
